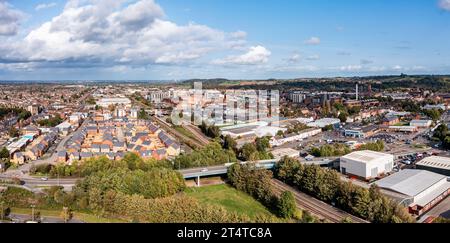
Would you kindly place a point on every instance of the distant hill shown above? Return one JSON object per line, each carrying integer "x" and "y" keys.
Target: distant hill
{"x": 432, "y": 82}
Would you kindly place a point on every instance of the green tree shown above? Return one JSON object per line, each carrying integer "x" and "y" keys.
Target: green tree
{"x": 262, "y": 144}
{"x": 286, "y": 205}
{"x": 343, "y": 117}
{"x": 249, "y": 152}
{"x": 229, "y": 143}
{"x": 4, "y": 153}
{"x": 13, "y": 132}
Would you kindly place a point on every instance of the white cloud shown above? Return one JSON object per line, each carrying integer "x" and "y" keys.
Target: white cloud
{"x": 294, "y": 58}
{"x": 45, "y": 6}
{"x": 350, "y": 68}
{"x": 444, "y": 4}
{"x": 255, "y": 55}
{"x": 397, "y": 67}
{"x": 9, "y": 19}
{"x": 116, "y": 33}
{"x": 313, "y": 58}
{"x": 294, "y": 68}
{"x": 313, "y": 41}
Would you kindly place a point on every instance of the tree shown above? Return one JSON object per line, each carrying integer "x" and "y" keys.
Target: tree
{"x": 249, "y": 152}
{"x": 286, "y": 205}
{"x": 4, "y": 210}
{"x": 434, "y": 114}
{"x": 66, "y": 214}
{"x": 213, "y": 132}
{"x": 262, "y": 144}
{"x": 328, "y": 128}
{"x": 13, "y": 132}
{"x": 229, "y": 143}
{"x": 4, "y": 153}
{"x": 343, "y": 117}
{"x": 142, "y": 115}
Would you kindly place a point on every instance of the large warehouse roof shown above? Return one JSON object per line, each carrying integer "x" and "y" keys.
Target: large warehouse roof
{"x": 365, "y": 156}
{"x": 410, "y": 182}
{"x": 436, "y": 162}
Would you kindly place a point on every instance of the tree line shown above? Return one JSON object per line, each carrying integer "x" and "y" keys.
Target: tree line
{"x": 20, "y": 112}
{"x": 133, "y": 192}
{"x": 326, "y": 185}
{"x": 257, "y": 183}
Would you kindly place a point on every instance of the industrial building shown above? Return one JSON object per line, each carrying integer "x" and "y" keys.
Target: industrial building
{"x": 280, "y": 140}
{"x": 435, "y": 164}
{"x": 421, "y": 123}
{"x": 289, "y": 152}
{"x": 405, "y": 129}
{"x": 105, "y": 102}
{"x": 422, "y": 189}
{"x": 366, "y": 164}
{"x": 325, "y": 122}
{"x": 362, "y": 132}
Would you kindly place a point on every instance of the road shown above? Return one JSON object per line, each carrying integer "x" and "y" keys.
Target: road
{"x": 21, "y": 218}
{"x": 314, "y": 206}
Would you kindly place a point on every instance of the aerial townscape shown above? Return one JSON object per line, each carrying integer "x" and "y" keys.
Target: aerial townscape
{"x": 80, "y": 142}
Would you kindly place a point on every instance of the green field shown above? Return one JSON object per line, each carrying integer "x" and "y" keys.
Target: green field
{"x": 229, "y": 198}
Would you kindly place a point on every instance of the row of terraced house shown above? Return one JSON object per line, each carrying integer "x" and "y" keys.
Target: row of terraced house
{"x": 115, "y": 138}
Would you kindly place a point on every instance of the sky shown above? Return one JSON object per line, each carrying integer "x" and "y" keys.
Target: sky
{"x": 235, "y": 39}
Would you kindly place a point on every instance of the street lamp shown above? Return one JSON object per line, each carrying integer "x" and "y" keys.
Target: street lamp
{"x": 2, "y": 211}
{"x": 32, "y": 212}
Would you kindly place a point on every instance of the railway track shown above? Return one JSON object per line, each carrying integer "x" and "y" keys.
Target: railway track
{"x": 316, "y": 207}
{"x": 196, "y": 131}
{"x": 175, "y": 133}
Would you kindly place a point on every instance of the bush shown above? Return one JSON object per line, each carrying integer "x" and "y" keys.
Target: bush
{"x": 331, "y": 150}
{"x": 287, "y": 207}
{"x": 210, "y": 155}
{"x": 41, "y": 169}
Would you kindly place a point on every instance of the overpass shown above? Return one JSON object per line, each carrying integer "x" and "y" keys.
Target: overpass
{"x": 197, "y": 173}
{"x": 194, "y": 173}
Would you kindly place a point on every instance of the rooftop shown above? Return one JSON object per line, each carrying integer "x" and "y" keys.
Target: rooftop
{"x": 436, "y": 162}
{"x": 410, "y": 182}
{"x": 365, "y": 156}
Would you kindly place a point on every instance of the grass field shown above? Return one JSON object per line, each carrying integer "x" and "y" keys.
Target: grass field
{"x": 85, "y": 217}
{"x": 185, "y": 132}
{"x": 229, "y": 198}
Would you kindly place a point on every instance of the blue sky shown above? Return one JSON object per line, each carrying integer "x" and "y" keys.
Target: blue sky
{"x": 248, "y": 39}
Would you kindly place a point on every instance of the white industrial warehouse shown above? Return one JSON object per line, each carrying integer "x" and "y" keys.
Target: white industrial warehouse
{"x": 366, "y": 164}
{"x": 436, "y": 164}
{"x": 422, "y": 188}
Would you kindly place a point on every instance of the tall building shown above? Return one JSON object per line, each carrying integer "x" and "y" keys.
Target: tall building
{"x": 297, "y": 97}
{"x": 158, "y": 95}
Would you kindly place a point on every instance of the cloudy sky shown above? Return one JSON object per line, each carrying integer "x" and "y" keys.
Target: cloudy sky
{"x": 181, "y": 39}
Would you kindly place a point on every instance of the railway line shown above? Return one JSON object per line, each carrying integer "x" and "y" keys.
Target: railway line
{"x": 175, "y": 133}
{"x": 316, "y": 207}
{"x": 196, "y": 131}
